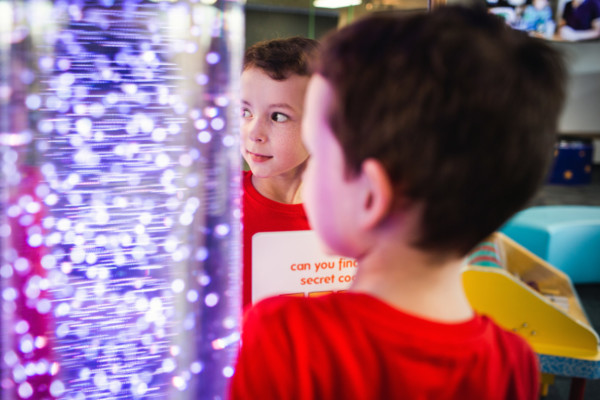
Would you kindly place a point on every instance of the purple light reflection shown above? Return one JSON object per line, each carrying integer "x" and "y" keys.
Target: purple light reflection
{"x": 120, "y": 198}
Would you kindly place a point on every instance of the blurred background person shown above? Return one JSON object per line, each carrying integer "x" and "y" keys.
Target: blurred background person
{"x": 580, "y": 20}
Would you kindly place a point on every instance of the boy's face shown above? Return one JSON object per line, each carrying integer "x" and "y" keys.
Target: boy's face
{"x": 271, "y": 119}
{"x": 329, "y": 196}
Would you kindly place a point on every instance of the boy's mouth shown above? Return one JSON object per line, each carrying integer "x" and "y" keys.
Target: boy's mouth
{"x": 258, "y": 158}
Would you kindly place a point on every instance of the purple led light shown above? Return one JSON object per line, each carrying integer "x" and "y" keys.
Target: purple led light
{"x": 119, "y": 224}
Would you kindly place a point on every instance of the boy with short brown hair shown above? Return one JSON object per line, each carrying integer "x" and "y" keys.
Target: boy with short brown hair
{"x": 274, "y": 80}
{"x": 426, "y": 132}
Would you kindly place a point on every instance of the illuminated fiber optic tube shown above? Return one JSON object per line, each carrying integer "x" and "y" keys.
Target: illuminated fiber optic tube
{"x": 119, "y": 207}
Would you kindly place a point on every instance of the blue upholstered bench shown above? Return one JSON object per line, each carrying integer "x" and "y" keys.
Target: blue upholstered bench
{"x": 567, "y": 237}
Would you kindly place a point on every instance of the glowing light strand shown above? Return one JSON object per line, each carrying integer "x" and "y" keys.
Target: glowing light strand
{"x": 120, "y": 252}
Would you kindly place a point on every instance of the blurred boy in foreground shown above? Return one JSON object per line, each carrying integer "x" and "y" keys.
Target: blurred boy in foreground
{"x": 425, "y": 134}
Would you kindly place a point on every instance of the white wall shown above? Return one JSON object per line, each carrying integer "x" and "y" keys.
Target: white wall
{"x": 582, "y": 111}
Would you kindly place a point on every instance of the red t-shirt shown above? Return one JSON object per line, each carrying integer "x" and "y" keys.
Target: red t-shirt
{"x": 354, "y": 346}
{"x": 264, "y": 215}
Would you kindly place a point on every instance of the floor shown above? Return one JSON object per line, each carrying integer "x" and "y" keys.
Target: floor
{"x": 589, "y": 294}
{"x": 588, "y": 194}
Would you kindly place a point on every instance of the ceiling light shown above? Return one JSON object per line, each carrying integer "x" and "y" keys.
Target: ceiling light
{"x": 335, "y": 3}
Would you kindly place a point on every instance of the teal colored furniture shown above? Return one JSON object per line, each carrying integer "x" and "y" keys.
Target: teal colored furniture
{"x": 568, "y": 237}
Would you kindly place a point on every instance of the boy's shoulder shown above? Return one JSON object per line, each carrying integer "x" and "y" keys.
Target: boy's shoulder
{"x": 284, "y": 305}
{"x": 293, "y": 310}
{"x": 352, "y": 326}
{"x": 351, "y": 308}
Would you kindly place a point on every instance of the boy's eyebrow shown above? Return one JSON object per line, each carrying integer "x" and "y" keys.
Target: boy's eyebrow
{"x": 281, "y": 105}
{"x": 285, "y": 107}
{"x": 276, "y": 105}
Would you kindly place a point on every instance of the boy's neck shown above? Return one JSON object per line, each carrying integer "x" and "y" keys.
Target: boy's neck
{"x": 409, "y": 280}
{"x": 282, "y": 188}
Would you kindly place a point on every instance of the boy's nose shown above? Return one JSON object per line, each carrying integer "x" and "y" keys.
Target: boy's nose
{"x": 255, "y": 131}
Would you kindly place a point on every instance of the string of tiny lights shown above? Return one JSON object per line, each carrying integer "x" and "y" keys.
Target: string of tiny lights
{"x": 120, "y": 198}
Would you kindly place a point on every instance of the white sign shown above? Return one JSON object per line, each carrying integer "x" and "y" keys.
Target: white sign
{"x": 295, "y": 263}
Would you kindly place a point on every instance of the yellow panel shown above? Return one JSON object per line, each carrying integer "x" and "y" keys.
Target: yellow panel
{"x": 547, "y": 279}
{"x": 516, "y": 306}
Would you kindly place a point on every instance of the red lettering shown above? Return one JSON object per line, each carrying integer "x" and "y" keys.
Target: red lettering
{"x": 317, "y": 280}
{"x": 346, "y": 278}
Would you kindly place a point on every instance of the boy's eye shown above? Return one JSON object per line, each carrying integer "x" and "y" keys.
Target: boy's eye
{"x": 279, "y": 117}
{"x": 246, "y": 113}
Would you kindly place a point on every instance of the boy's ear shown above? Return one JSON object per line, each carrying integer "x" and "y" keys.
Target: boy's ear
{"x": 378, "y": 194}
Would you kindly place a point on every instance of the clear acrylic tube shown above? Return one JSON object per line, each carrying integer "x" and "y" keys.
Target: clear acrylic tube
{"x": 119, "y": 224}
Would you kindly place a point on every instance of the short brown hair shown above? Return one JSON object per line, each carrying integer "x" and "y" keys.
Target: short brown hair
{"x": 280, "y": 58}
{"x": 460, "y": 109}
